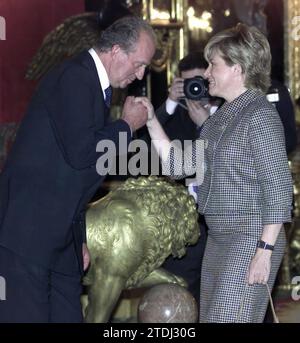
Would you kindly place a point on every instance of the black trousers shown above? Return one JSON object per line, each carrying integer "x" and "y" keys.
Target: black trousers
{"x": 34, "y": 294}
{"x": 189, "y": 266}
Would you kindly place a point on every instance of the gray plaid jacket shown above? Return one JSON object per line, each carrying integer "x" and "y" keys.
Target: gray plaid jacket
{"x": 245, "y": 164}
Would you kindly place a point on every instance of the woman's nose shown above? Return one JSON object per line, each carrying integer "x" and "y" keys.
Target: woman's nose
{"x": 207, "y": 73}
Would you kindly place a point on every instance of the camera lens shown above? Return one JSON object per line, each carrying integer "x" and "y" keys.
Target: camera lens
{"x": 195, "y": 88}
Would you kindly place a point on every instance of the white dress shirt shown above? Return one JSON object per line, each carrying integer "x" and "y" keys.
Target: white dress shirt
{"x": 102, "y": 74}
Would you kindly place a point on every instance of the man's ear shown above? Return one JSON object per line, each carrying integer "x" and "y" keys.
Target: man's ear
{"x": 115, "y": 50}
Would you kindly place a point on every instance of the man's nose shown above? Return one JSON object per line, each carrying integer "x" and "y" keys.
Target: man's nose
{"x": 140, "y": 73}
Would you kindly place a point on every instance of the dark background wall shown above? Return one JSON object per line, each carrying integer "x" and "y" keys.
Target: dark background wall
{"x": 27, "y": 22}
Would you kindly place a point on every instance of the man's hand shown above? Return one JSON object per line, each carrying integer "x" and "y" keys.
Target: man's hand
{"x": 197, "y": 112}
{"x": 176, "y": 89}
{"x": 134, "y": 113}
{"x": 86, "y": 256}
{"x": 146, "y": 102}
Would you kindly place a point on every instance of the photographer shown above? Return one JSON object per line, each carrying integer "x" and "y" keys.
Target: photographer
{"x": 181, "y": 116}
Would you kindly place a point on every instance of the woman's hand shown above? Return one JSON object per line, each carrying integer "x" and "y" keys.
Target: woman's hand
{"x": 259, "y": 268}
{"x": 197, "y": 112}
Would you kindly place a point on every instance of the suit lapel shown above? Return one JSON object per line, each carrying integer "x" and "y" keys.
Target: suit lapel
{"x": 88, "y": 62}
{"x": 230, "y": 111}
{"x": 101, "y": 110}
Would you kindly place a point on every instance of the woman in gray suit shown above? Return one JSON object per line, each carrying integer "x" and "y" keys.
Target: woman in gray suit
{"x": 246, "y": 188}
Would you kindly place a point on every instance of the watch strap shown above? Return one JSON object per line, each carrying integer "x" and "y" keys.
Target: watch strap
{"x": 263, "y": 245}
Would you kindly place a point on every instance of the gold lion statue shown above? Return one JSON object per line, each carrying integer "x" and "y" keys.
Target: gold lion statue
{"x": 130, "y": 233}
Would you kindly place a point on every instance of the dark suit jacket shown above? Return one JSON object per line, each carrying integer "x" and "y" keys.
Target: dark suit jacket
{"x": 286, "y": 112}
{"x": 50, "y": 174}
{"x": 178, "y": 125}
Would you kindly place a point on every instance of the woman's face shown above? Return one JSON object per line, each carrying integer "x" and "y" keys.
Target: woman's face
{"x": 224, "y": 81}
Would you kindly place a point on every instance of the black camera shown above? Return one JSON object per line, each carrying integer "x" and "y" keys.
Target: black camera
{"x": 196, "y": 88}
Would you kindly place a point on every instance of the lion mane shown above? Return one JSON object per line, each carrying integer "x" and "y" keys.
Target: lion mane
{"x": 139, "y": 224}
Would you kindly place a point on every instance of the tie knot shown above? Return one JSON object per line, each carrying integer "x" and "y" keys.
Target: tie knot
{"x": 108, "y": 94}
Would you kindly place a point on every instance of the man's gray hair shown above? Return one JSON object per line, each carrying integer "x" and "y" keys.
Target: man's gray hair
{"x": 124, "y": 32}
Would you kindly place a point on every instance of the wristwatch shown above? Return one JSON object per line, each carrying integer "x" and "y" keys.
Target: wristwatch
{"x": 263, "y": 245}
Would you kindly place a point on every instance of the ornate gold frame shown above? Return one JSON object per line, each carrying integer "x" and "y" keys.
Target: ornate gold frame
{"x": 292, "y": 49}
{"x": 172, "y": 42}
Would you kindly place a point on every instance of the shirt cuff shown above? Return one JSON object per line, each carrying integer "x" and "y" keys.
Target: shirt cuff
{"x": 171, "y": 106}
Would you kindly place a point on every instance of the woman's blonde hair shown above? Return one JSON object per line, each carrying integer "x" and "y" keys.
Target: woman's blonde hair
{"x": 249, "y": 48}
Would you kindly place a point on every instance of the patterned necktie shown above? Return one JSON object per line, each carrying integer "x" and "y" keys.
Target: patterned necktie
{"x": 108, "y": 94}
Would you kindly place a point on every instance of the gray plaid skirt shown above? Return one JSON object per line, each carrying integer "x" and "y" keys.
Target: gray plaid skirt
{"x": 231, "y": 244}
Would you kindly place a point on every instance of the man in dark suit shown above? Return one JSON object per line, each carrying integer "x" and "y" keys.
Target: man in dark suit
{"x": 51, "y": 175}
